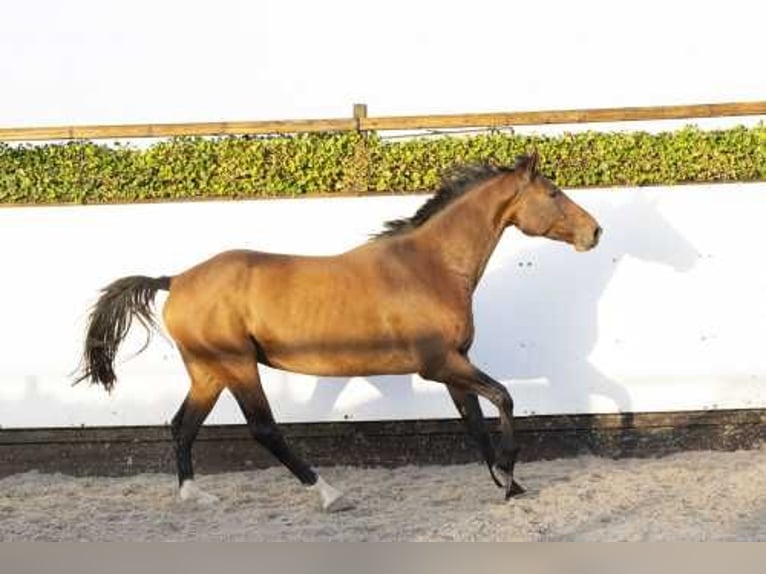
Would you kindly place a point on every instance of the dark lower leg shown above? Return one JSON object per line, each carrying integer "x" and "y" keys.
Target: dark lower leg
{"x": 468, "y": 406}
{"x": 458, "y": 372}
{"x": 508, "y": 449}
{"x": 260, "y": 421}
{"x": 269, "y": 435}
{"x": 184, "y": 428}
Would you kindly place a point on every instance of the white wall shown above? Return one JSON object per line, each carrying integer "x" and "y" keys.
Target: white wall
{"x": 669, "y": 313}
{"x": 90, "y": 61}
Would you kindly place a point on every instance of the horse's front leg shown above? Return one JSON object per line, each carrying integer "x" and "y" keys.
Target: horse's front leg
{"x": 459, "y": 374}
{"x": 469, "y": 408}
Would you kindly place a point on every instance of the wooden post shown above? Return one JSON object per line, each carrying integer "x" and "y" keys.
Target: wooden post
{"x": 360, "y": 113}
{"x": 359, "y": 169}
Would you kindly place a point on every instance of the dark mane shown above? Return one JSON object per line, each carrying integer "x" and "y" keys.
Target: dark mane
{"x": 453, "y": 185}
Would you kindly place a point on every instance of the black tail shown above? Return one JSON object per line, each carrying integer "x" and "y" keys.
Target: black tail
{"x": 110, "y": 321}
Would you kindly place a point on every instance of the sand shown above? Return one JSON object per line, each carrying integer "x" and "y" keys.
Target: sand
{"x": 693, "y": 496}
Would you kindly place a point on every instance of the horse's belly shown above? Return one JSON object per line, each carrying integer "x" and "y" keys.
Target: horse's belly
{"x": 323, "y": 360}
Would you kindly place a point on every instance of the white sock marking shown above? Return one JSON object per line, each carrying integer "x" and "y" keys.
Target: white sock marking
{"x": 332, "y": 498}
{"x": 190, "y": 491}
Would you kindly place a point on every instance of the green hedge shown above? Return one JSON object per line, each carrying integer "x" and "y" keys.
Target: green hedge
{"x": 84, "y": 172}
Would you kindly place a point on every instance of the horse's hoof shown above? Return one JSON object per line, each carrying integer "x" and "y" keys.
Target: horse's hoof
{"x": 332, "y": 499}
{"x": 514, "y": 489}
{"x": 190, "y": 492}
{"x": 339, "y": 504}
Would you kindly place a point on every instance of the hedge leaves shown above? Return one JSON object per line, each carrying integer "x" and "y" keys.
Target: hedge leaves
{"x": 239, "y": 167}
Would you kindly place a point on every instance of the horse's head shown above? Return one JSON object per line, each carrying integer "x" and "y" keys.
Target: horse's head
{"x": 540, "y": 208}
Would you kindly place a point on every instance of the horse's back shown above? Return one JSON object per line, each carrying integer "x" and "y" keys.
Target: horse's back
{"x": 237, "y": 294}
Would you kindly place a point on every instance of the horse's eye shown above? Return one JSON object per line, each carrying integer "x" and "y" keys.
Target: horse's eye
{"x": 553, "y": 192}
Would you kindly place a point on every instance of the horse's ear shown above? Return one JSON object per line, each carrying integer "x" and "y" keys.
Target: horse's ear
{"x": 528, "y": 164}
{"x": 533, "y": 163}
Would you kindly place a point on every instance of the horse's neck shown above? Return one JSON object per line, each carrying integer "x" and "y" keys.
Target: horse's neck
{"x": 463, "y": 236}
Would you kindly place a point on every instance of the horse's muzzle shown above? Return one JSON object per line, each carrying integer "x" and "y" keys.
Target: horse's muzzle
{"x": 596, "y": 236}
{"x": 588, "y": 242}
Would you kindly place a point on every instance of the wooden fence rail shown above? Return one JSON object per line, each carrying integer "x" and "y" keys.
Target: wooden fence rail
{"x": 361, "y": 122}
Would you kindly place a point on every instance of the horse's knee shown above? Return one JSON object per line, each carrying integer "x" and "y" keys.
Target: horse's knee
{"x": 504, "y": 401}
{"x": 508, "y": 403}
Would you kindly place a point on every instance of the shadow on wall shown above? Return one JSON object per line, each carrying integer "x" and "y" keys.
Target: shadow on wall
{"x": 539, "y": 314}
{"x": 536, "y": 317}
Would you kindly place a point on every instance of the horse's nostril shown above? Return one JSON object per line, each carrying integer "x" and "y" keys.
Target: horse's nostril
{"x": 597, "y": 234}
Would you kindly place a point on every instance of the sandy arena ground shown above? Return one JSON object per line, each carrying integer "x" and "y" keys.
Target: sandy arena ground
{"x": 689, "y": 497}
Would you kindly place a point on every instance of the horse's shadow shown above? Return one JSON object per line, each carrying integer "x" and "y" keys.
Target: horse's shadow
{"x": 543, "y": 333}
{"x": 536, "y": 316}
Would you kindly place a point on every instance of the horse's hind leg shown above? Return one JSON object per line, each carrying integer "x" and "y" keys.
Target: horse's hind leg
{"x": 199, "y": 401}
{"x": 255, "y": 406}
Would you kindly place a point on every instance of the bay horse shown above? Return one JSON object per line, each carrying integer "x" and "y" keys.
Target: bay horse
{"x": 400, "y": 303}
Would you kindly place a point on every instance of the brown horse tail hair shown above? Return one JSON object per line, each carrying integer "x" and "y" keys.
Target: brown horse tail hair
{"x": 109, "y": 322}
